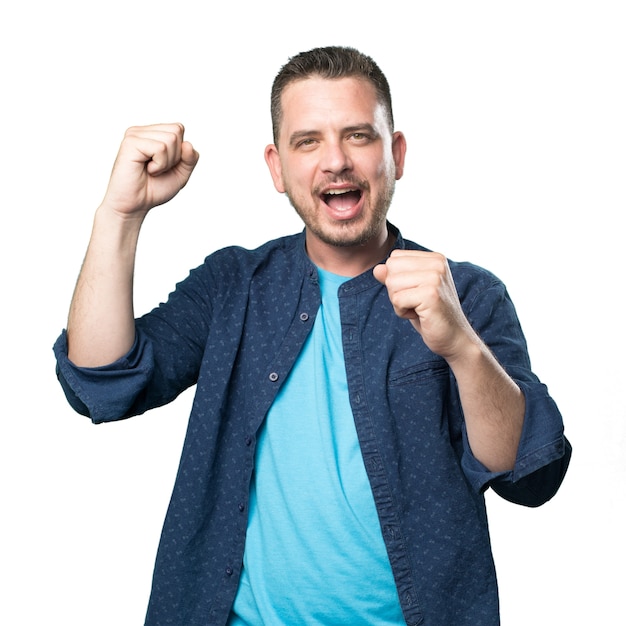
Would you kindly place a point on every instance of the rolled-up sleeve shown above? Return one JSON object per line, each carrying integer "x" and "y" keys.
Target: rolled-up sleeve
{"x": 542, "y": 458}
{"x": 544, "y": 452}
{"x": 110, "y": 392}
{"x": 164, "y": 360}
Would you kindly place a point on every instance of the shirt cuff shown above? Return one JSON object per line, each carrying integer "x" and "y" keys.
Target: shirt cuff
{"x": 541, "y": 444}
{"x": 108, "y": 392}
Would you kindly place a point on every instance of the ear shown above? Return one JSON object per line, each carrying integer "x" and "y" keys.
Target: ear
{"x": 272, "y": 158}
{"x": 398, "y": 149}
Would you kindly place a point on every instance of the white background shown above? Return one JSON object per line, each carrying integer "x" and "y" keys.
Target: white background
{"x": 514, "y": 115}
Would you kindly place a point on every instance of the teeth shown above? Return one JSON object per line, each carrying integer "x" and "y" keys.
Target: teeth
{"x": 338, "y": 192}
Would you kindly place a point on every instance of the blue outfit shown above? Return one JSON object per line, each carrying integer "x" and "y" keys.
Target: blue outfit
{"x": 235, "y": 327}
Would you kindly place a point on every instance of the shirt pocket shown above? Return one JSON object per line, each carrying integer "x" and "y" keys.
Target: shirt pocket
{"x": 423, "y": 373}
{"x": 417, "y": 397}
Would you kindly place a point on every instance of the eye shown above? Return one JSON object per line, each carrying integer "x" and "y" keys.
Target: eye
{"x": 359, "y": 137}
{"x": 306, "y": 143}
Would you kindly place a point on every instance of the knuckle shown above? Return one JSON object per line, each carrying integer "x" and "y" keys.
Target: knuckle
{"x": 440, "y": 259}
{"x": 131, "y": 131}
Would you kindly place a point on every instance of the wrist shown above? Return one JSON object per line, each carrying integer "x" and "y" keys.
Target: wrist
{"x": 115, "y": 232}
{"x": 468, "y": 353}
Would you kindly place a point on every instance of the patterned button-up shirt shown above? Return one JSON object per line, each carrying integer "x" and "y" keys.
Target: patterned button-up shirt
{"x": 234, "y": 328}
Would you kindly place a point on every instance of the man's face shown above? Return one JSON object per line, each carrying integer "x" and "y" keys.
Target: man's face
{"x": 337, "y": 159}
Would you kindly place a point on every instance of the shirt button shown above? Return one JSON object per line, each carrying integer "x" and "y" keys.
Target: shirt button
{"x": 304, "y": 317}
{"x": 241, "y": 507}
{"x": 229, "y": 571}
{"x": 273, "y": 377}
{"x": 248, "y": 441}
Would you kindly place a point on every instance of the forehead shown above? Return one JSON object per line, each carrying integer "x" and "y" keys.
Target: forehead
{"x": 317, "y": 102}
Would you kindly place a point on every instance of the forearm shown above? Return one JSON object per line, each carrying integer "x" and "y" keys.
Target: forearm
{"x": 100, "y": 326}
{"x": 493, "y": 407}
{"x": 152, "y": 165}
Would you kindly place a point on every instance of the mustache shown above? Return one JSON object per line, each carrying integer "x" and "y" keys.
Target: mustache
{"x": 345, "y": 179}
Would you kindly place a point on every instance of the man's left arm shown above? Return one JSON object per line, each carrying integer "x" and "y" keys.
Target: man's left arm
{"x": 421, "y": 289}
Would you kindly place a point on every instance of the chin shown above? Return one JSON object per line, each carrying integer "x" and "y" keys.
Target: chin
{"x": 358, "y": 231}
{"x": 347, "y": 235}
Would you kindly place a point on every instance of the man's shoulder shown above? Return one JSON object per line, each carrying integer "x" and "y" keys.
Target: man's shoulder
{"x": 233, "y": 269}
{"x": 466, "y": 274}
{"x": 286, "y": 248}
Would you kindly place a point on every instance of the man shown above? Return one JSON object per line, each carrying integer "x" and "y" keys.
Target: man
{"x": 356, "y": 393}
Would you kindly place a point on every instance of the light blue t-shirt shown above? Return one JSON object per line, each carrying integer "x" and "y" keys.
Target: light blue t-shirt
{"x": 314, "y": 550}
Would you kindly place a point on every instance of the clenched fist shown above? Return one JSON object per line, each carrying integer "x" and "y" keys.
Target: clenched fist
{"x": 421, "y": 289}
{"x": 153, "y": 164}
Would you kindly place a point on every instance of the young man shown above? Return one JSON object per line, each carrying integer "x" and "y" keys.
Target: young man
{"x": 356, "y": 393}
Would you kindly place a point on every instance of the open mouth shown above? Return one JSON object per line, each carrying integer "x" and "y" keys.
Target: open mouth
{"x": 342, "y": 199}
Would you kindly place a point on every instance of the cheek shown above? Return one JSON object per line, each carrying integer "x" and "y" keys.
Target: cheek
{"x": 298, "y": 177}
{"x": 380, "y": 163}
{"x": 388, "y": 166}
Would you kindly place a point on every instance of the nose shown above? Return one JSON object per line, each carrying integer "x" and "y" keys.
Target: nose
{"x": 334, "y": 157}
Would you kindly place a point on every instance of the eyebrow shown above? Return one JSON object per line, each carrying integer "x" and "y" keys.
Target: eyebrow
{"x": 303, "y": 134}
{"x": 368, "y": 128}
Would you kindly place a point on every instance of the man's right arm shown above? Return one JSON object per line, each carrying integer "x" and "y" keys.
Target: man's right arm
{"x": 153, "y": 164}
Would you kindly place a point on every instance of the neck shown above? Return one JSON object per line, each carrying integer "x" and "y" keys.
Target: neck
{"x": 350, "y": 260}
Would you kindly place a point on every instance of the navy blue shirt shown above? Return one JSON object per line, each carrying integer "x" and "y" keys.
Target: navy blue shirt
{"x": 234, "y": 328}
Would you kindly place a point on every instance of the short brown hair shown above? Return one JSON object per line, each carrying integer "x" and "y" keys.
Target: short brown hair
{"x": 330, "y": 62}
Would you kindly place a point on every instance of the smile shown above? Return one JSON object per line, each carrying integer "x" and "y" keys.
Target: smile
{"x": 342, "y": 199}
